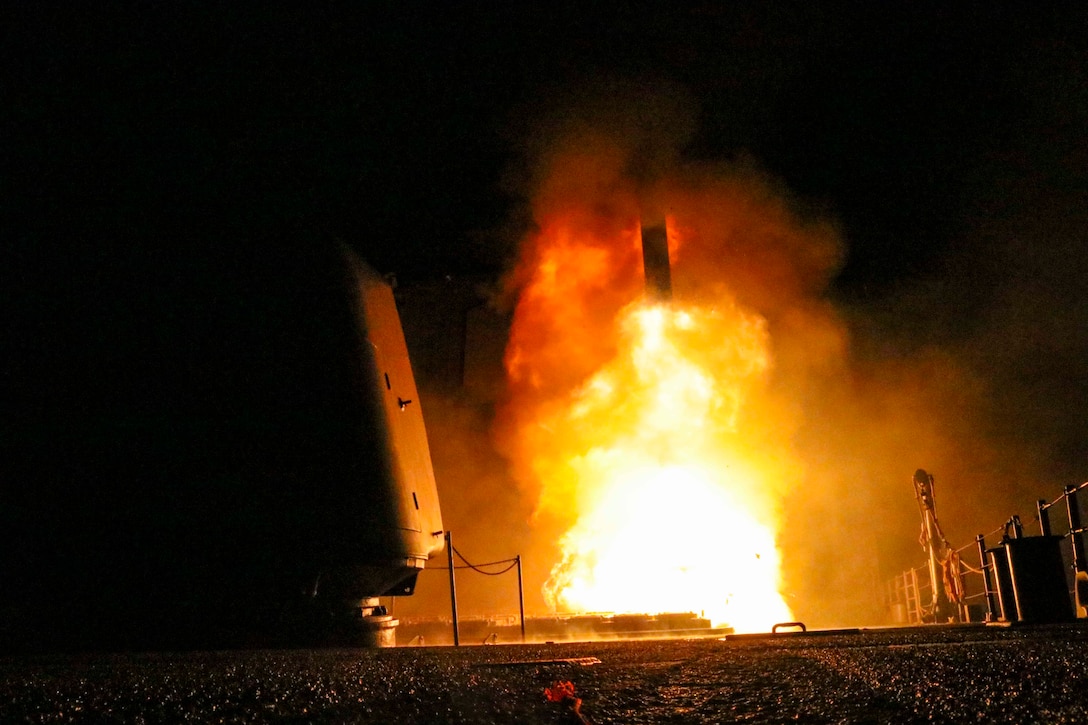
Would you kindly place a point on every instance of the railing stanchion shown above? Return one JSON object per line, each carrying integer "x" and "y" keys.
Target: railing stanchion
{"x": 1076, "y": 545}
{"x": 987, "y": 583}
{"x": 521, "y": 600}
{"x": 453, "y": 590}
{"x": 1044, "y": 516}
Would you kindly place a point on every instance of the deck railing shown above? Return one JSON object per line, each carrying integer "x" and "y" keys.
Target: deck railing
{"x": 970, "y": 581}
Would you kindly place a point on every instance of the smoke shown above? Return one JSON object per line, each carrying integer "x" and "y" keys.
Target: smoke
{"x": 960, "y": 372}
{"x": 599, "y": 163}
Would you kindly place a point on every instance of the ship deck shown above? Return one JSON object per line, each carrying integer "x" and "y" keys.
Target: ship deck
{"x": 935, "y": 673}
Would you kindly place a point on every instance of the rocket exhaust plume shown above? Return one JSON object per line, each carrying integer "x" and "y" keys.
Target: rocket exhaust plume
{"x": 640, "y": 409}
{"x": 646, "y": 460}
{"x": 668, "y": 338}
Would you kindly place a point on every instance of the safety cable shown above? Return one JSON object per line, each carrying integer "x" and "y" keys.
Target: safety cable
{"x": 466, "y": 566}
{"x": 969, "y": 568}
{"x": 476, "y": 567}
{"x": 488, "y": 573}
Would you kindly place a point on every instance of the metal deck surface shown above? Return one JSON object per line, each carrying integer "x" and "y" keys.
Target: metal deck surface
{"x": 935, "y": 674}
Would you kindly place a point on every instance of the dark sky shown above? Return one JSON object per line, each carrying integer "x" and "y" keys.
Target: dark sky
{"x": 397, "y": 123}
{"x": 393, "y": 127}
{"x": 169, "y": 171}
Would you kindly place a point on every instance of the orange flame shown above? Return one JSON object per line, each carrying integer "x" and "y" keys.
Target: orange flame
{"x": 640, "y": 422}
{"x": 658, "y": 439}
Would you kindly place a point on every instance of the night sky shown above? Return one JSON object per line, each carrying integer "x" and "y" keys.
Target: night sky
{"x": 905, "y": 123}
{"x": 173, "y": 178}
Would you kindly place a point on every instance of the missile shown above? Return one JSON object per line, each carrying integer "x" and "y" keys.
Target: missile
{"x": 655, "y": 257}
